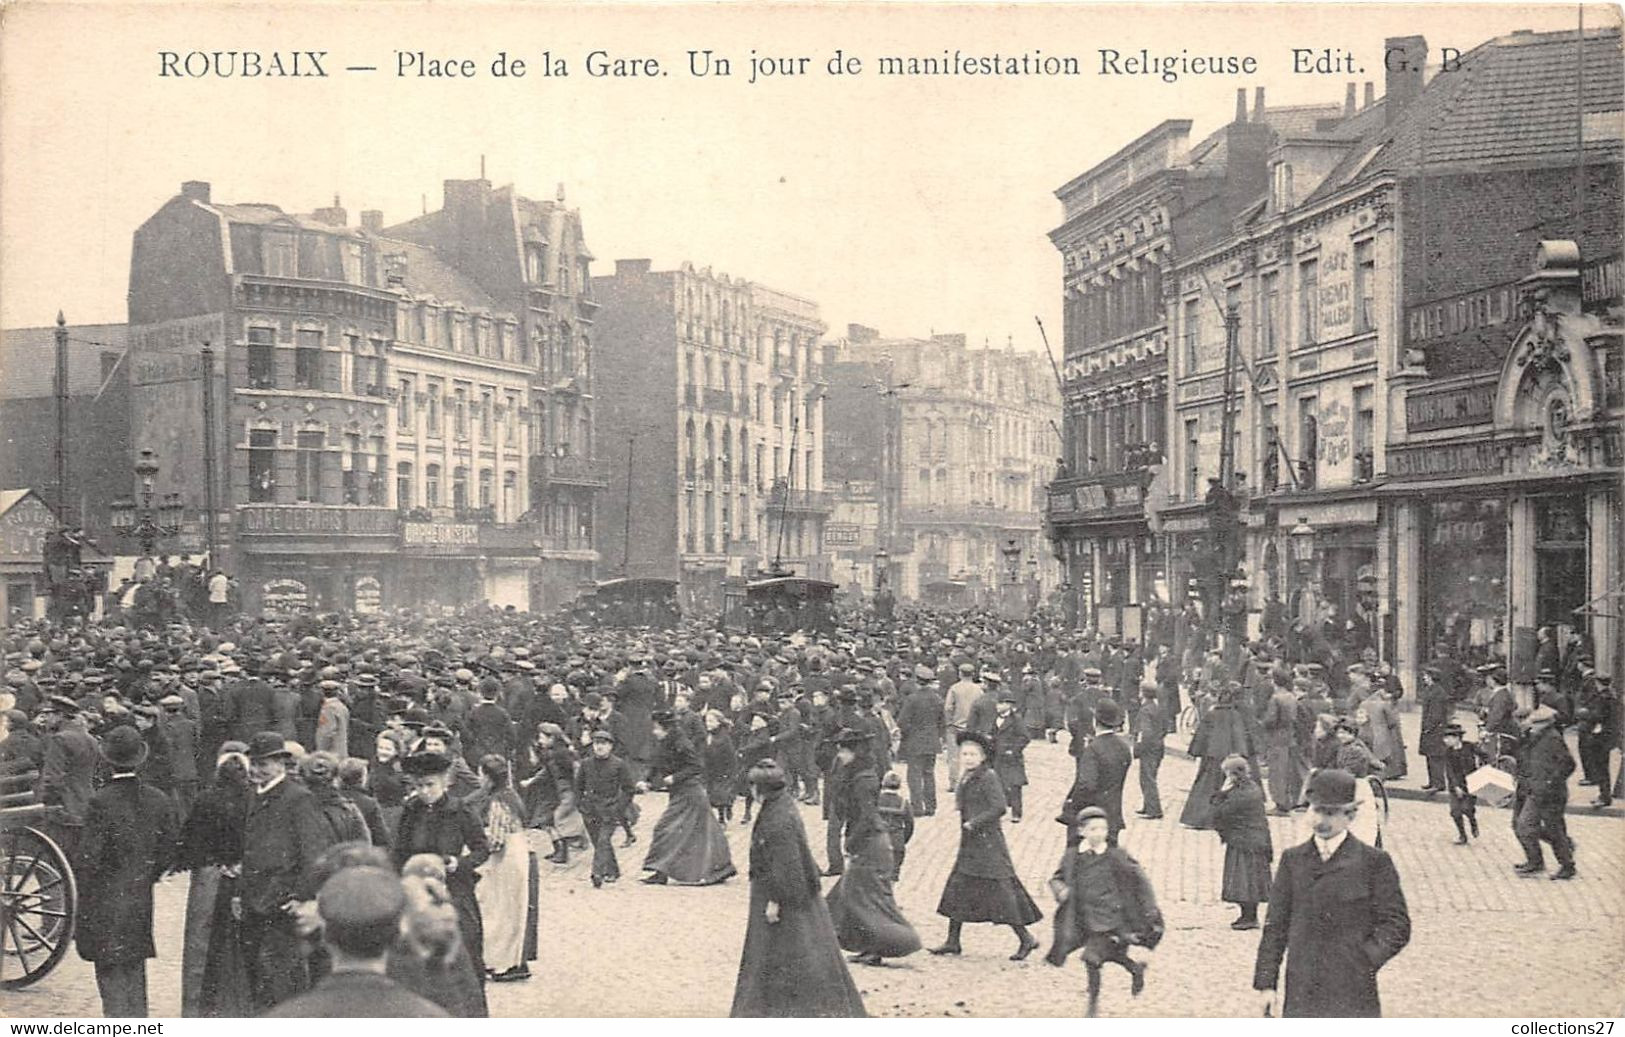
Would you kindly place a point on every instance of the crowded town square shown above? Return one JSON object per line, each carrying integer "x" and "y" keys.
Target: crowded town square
{"x": 500, "y": 716}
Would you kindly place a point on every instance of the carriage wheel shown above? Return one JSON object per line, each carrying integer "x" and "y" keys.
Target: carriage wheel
{"x": 38, "y": 901}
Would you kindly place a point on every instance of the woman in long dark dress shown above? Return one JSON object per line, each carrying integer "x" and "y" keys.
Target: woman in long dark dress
{"x": 214, "y": 983}
{"x": 1238, "y": 818}
{"x": 791, "y": 965}
{"x": 865, "y": 913}
{"x": 433, "y": 822}
{"x": 1222, "y": 732}
{"x": 983, "y": 886}
{"x": 688, "y": 845}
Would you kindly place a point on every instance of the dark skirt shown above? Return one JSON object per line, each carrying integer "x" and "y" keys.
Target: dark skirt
{"x": 1198, "y": 811}
{"x": 1246, "y": 876}
{"x": 688, "y": 846}
{"x": 214, "y": 982}
{"x": 970, "y": 898}
{"x": 863, "y": 909}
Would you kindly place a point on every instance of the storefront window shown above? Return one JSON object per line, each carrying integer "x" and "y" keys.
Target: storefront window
{"x": 1561, "y": 570}
{"x": 1464, "y": 572}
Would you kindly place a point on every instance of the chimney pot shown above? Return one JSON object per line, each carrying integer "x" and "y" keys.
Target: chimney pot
{"x": 1258, "y": 104}
{"x": 372, "y": 221}
{"x": 197, "y": 190}
{"x": 1370, "y": 94}
{"x": 1348, "y": 100}
{"x": 1241, "y": 104}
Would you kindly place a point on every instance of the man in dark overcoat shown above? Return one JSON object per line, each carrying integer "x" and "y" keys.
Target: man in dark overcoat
{"x": 69, "y": 764}
{"x": 921, "y": 724}
{"x": 283, "y": 836}
{"x": 1337, "y": 914}
{"x": 129, "y": 835}
{"x": 1437, "y": 709}
{"x": 639, "y": 692}
{"x": 1544, "y": 766}
{"x": 1102, "y": 769}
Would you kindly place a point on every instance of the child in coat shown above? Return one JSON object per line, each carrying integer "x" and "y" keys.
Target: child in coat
{"x": 894, "y": 810}
{"x": 1460, "y": 759}
{"x": 1106, "y": 905}
{"x": 721, "y": 765}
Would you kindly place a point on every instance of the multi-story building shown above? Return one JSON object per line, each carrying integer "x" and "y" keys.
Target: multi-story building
{"x": 1397, "y": 464}
{"x": 530, "y": 258}
{"x": 369, "y": 406}
{"x": 1127, "y": 221}
{"x": 862, "y": 441}
{"x": 971, "y": 460}
{"x": 712, "y": 391}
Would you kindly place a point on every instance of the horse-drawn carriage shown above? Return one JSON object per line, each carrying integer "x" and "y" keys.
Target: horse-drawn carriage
{"x": 38, "y": 896}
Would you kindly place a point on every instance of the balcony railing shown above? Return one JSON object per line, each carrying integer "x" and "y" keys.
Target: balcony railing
{"x": 564, "y": 542}
{"x": 719, "y": 400}
{"x": 570, "y": 469}
{"x": 801, "y": 500}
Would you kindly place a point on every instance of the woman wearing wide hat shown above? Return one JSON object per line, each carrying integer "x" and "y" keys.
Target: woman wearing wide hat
{"x": 983, "y": 886}
{"x": 434, "y": 822}
{"x": 866, "y": 916}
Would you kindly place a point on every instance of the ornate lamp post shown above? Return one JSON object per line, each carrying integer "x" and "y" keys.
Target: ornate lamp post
{"x": 881, "y": 566}
{"x": 1012, "y": 558}
{"x": 140, "y": 520}
{"x": 1303, "y": 555}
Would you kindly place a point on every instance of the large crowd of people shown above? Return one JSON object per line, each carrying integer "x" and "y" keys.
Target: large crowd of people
{"x": 375, "y": 794}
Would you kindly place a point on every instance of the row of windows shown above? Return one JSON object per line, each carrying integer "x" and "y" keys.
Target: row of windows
{"x": 356, "y": 367}
{"x": 359, "y": 460}
{"x": 1275, "y": 451}
{"x": 1336, "y": 308}
{"x": 488, "y": 411}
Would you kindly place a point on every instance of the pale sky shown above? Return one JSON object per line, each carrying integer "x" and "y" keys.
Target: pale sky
{"x": 909, "y": 205}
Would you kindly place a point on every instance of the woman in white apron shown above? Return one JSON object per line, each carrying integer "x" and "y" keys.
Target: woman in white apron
{"x": 503, "y": 891}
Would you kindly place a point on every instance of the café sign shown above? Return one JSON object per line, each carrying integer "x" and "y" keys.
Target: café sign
{"x": 294, "y": 520}
{"x": 1450, "y": 408}
{"x": 1434, "y": 460}
{"x": 439, "y": 535}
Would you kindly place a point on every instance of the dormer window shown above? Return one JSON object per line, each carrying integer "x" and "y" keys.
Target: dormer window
{"x": 535, "y": 262}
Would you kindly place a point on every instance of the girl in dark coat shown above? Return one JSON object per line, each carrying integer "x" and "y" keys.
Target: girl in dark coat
{"x": 721, "y": 765}
{"x": 1222, "y": 732}
{"x": 1010, "y": 740}
{"x": 385, "y": 781}
{"x": 687, "y": 845}
{"x": 1238, "y": 818}
{"x": 865, "y": 913}
{"x": 758, "y": 745}
{"x": 791, "y": 965}
{"x": 213, "y": 981}
{"x": 983, "y": 886}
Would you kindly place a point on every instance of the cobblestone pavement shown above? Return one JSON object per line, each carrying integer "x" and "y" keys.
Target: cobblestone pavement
{"x": 1485, "y": 942}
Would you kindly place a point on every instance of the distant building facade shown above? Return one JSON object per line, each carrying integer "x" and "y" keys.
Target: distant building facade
{"x": 712, "y": 391}
{"x": 374, "y": 419}
{"x": 974, "y": 449}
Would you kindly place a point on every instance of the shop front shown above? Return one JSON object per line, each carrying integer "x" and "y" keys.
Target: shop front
{"x": 309, "y": 558}
{"x": 1508, "y": 520}
{"x": 1112, "y": 562}
{"x": 1327, "y": 545}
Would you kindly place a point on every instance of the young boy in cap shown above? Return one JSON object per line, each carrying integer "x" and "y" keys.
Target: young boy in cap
{"x": 1460, "y": 760}
{"x": 1107, "y": 904}
{"x": 895, "y": 811}
{"x": 1337, "y": 913}
{"x": 604, "y": 786}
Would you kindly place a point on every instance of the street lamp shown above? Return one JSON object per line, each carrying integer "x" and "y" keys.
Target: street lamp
{"x": 1303, "y": 553}
{"x": 881, "y": 559}
{"x": 141, "y": 521}
{"x": 1012, "y": 558}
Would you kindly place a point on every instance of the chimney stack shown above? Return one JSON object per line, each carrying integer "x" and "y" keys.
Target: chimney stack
{"x": 1258, "y": 104}
{"x": 1348, "y": 101}
{"x": 333, "y": 216}
{"x": 1405, "y": 58}
{"x": 860, "y": 334}
{"x": 372, "y": 221}
{"x": 1241, "y": 104}
{"x": 196, "y": 190}
{"x": 1370, "y": 94}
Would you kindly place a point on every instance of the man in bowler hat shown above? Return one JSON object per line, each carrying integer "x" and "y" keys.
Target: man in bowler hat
{"x": 1337, "y": 914}
{"x": 129, "y": 835}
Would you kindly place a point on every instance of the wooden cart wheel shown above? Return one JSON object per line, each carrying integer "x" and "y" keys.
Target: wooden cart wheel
{"x": 38, "y": 905}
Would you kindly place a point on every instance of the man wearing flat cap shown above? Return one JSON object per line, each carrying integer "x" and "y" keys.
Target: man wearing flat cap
{"x": 1544, "y": 766}
{"x": 70, "y": 761}
{"x": 283, "y": 837}
{"x": 126, "y": 846}
{"x": 360, "y": 909}
{"x": 1337, "y": 914}
{"x": 923, "y": 729}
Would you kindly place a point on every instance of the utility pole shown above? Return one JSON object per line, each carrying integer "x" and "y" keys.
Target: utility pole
{"x": 210, "y": 476}
{"x": 626, "y": 530}
{"x": 1227, "y": 444}
{"x": 63, "y": 502}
